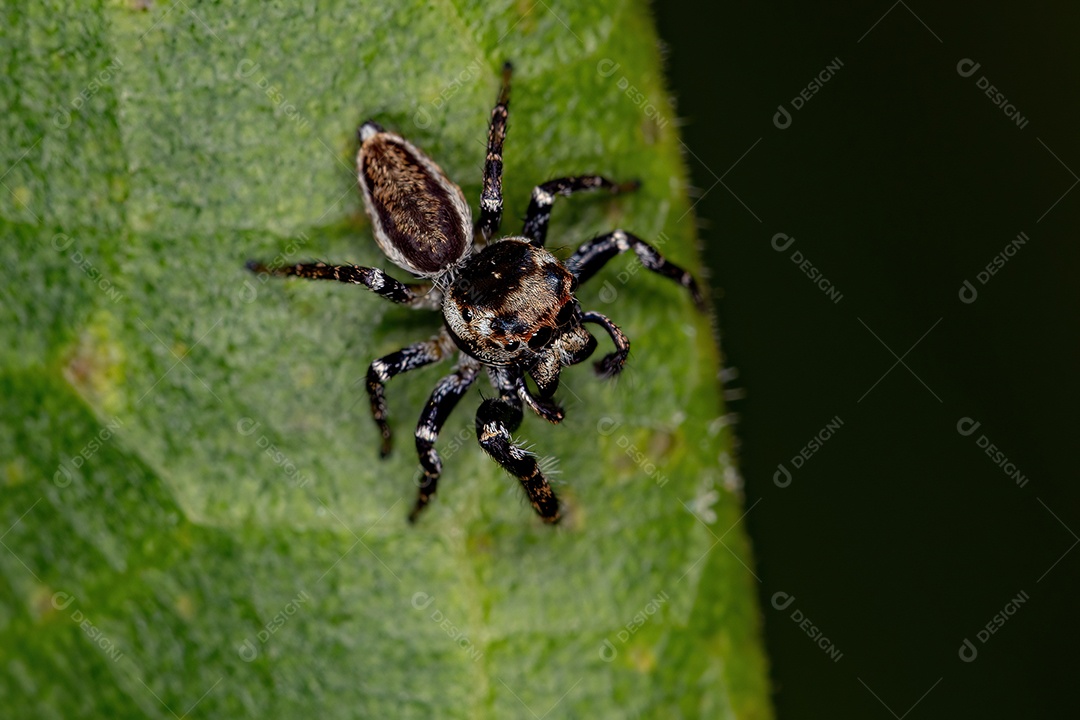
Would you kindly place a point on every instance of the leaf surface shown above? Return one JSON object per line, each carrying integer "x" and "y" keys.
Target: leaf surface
{"x": 195, "y": 518}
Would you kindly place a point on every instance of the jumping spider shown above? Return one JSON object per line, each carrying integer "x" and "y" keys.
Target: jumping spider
{"x": 508, "y": 306}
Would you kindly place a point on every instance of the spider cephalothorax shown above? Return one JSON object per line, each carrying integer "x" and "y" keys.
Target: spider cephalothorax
{"x": 512, "y": 304}
{"x": 508, "y": 306}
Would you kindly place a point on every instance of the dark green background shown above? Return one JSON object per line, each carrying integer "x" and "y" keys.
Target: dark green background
{"x": 899, "y": 180}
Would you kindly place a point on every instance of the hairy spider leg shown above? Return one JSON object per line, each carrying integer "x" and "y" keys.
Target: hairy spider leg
{"x": 442, "y": 402}
{"x": 543, "y": 197}
{"x": 381, "y": 370}
{"x": 612, "y": 363}
{"x": 374, "y": 279}
{"x": 491, "y": 200}
{"x": 592, "y": 256}
{"x": 495, "y": 420}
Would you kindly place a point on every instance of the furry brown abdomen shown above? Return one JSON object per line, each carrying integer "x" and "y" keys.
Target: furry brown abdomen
{"x": 421, "y": 219}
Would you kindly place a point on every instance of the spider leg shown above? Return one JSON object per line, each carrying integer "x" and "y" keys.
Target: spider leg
{"x": 543, "y": 197}
{"x": 612, "y": 363}
{"x": 381, "y": 370}
{"x": 418, "y": 296}
{"x": 491, "y": 201}
{"x": 439, "y": 406}
{"x": 591, "y": 256}
{"x": 495, "y": 420}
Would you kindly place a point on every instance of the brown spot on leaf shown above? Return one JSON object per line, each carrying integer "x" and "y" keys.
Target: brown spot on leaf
{"x": 94, "y": 365}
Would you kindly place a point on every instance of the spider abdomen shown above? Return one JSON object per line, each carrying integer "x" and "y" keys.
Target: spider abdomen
{"x": 421, "y": 220}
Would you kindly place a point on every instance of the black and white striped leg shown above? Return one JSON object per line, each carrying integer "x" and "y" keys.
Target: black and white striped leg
{"x": 543, "y": 197}
{"x": 612, "y": 363}
{"x": 495, "y": 420}
{"x": 380, "y": 371}
{"x": 591, "y": 256}
{"x": 442, "y": 402}
{"x": 374, "y": 279}
{"x": 491, "y": 200}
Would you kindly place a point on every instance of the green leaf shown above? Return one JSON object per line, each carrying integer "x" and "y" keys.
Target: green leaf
{"x": 194, "y": 516}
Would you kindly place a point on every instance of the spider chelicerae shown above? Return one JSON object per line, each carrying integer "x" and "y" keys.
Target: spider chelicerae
{"x": 508, "y": 306}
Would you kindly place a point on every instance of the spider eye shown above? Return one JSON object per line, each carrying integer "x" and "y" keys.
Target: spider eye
{"x": 512, "y": 345}
{"x": 466, "y": 314}
{"x": 573, "y": 284}
{"x": 540, "y": 338}
{"x": 565, "y": 314}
